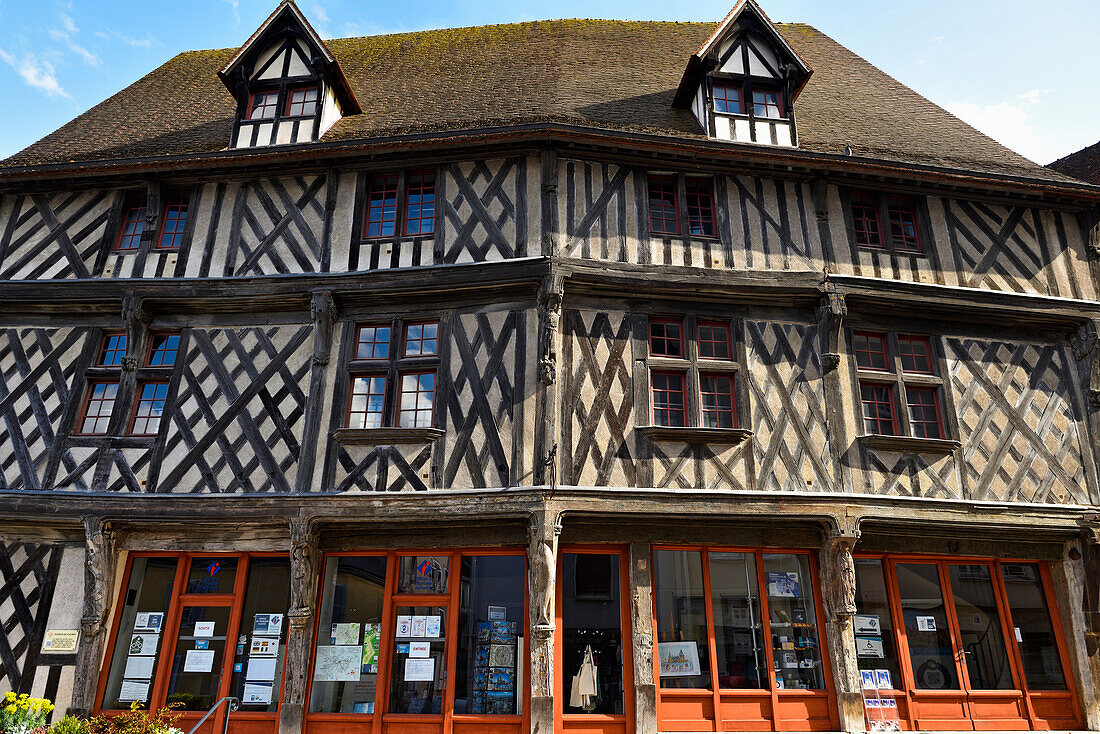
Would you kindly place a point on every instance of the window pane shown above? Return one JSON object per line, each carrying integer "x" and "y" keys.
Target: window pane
{"x": 700, "y": 206}
{"x": 351, "y": 607}
{"x": 149, "y": 408}
{"x": 212, "y": 575}
{"x": 197, "y": 662}
{"x": 140, "y": 628}
{"x": 101, "y": 403}
{"x": 373, "y": 342}
{"x": 423, "y": 574}
{"x": 592, "y": 621}
{"x": 878, "y": 409}
{"x": 418, "y": 676}
{"x": 766, "y": 103}
{"x": 381, "y": 215}
{"x": 727, "y": 99}
{"x": 174, "y": 223}
{"x": 903, "y": 223}
{"x": 870, "y": 351}
{"x": 421, "y": 340}
{"x": 865, "y": 220}
{"x": 668, "y": 399}
{"x": 133, "y": 224}
{"x": 793, "y": 621}
{"x": 716, "y": 394}
{"x": 663, "y": 217}
{"x": 714, "y": 340}
{"x": 417, "y": 398}
{"x": 1033, "y": 627}
{"x": 420, "y": 204}
{"x": 681, "y": 619}
{"x": 983, "y": 640}
{"x": 876, "y": 645}
{"x": 738, "y": 626}
{"x": 367, "y": 400}
{"x": 490, "y": 644}
{"x": 924, "y": 411}
{"x": 264, "y": 630}
{"x": 666, "y": 339}
{"x": 164, "y": 350}
{"x": 915, "y": 354}
{"x": 930, "y": 653}
{"x": 114, "y": 349}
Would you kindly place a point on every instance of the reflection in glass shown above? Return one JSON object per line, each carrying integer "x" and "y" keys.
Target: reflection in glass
{"x": 264, "y": 628}
{"x": 681, "y": 619}
{"x": 980, "y": 630}
{"x": 1033, "y": 627}
{"x": 489, "y": 673}
{"x": 215, "y": 575}
{"x": 351, "y": 607}
{"x": 796, "y": 648}
{"x": 419, "y": 671}
{"x": 929, "y": 639}
{"x": 197, "y": 662}
{"x": 591, "y": 618}
{"x": 875, "y": 650}
{"x": 423, "y": 574}
{"x": 738, "y": 626}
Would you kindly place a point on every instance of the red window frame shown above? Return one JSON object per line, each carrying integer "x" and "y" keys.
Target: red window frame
{"x": 109, "y": 348}
{"x": 906, "y": 349}
{"x": 269, "y": 100}
{"x": 381, "y": 208}
{"x": 300, "y": 104}
{"x": 715, "y": 411}
{"x": 871, "y": 337}
{"x": 912, "y": 392}
{"x": 700, "y": 207}
{"x": 374, "y": 343}
{"x": 173, "y": 223}
{"x": 422, "y": 340}
{"x": 875, "y": 400}
{"x": 417, "y": 411}
{"x": 132, "y": 225}
{"x": 663, "y": 201}
{"x": 726, "y": 339}
{"x": 767, "y": 104}
{"x": 143, "y": 408}
{"x": 89, "y": 401}
{"x": 865, "y": 220}
{"x": 665, "y": 339}
{"x": 366, "y": 379}
{"x": 154, "y": 349}
{"x": 723, "y": 95}
{"x": 904, "y": 229}
{"x": 420, "y": 215}
{"x": 668, "y": 390}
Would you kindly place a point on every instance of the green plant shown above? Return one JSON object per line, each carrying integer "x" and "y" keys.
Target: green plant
{"x": 136, "y": 721}
{"x": 69, "y": 725}
{"x": 21, "y": 714}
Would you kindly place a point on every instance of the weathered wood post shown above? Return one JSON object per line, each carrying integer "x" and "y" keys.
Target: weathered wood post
{"x": 1076, "y": 581}
{"x": 303, "y": 577}
{"x": 641, "y": 629}
{"x": 99, "y": 567}
{"x": 542, "y": 564}
{"x": 838, "y": 587}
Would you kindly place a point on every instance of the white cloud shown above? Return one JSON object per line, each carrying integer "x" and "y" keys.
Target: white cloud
{"x": 1012, "y": 123}
{"x": 236, "y": 7}
{"x": 147, "y": 42}
{"x": 319, "y": 19}
{"x": 37, "y": 74}
{"x": 65, "y": 35}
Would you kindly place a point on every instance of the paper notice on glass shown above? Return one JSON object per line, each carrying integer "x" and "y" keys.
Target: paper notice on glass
{"x": 869, "y": 647}
{"x": 347, "y": 633}
{"x": 256, "y": 693}
{"x": 198, "y": 661}
{"x": 882, "y": 679}
{"x": 404, "y": 626}
{"x": 419, "y": 649}
{"x": 148, "y": 621}
{"x": 926, "y": 624}
{"x": 263, "y": 647}
{"x": 261, "y": 669}
{"x": 867, "y": 679}
{"x": 337, "y": 662}
{"x": 432, "y": 625}
{"x": 419, "y": 626}
{"x": 497, "y": 614}
{"x": 134, "y": 690}
{"x": 419, "y": 669}
{"x": 139, "y": 667}
{"x": 867, "y": 624}
{"x": 267, "y": 624}
{"x": 144, "y": 644}
{"x": 204, "y": 629}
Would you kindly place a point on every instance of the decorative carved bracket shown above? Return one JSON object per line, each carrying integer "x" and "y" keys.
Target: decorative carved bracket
{"x": 136, "y": 317}
{"x": 303, "y": 555}
{"x": 542, "y": 553}
{"x": 323, "y": 310}
{"x": 820, "y": 190}
{"x": 840, "y": 540}
{"x": 1090, "y": 551}
{"x": 830, "y": 361}
{"x": 99, "y": 542}
{"x": 549, "y": 314}
{"x": 831, "y": 310}
{"x": 1083, "y": 341}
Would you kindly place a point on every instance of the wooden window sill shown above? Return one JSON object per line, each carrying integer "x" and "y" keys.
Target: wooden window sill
{"x": 910, "y": 444}
{"x": 692, "y": 434}
{"x": 381, "y": 436}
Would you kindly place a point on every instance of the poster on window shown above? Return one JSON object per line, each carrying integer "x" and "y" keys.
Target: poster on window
{"x": 337, "y": 662}
{"x": 867, "y": 624}
{"x": 678, "y": 658}
{"x": 869, "y": 647}
{"x": 783, "y": 584}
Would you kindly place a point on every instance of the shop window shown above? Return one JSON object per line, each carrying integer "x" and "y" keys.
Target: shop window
{"x": 200, "y": 650}
{"x": 349, "y": 634}
{"x": 898, "y": 369}
{"x": 418, "y": 674}
{"x": 592, "y": 679}
{"x": 258, "y": 664}
{"x": 931, "y": 650}
{"x": 738, "y": 624}
{"x": 979, "y": 620}
{"x": 903, "y": 230}
{"x": 1032, "y": 627}
{"x": 692, "y": 373}
{"x": 393, "y": 383}
{"x": 792, "y": 617}
{"x": 681, "y": 619}
{"x": 383, "y": 217}
{"x": 876, "y": 641}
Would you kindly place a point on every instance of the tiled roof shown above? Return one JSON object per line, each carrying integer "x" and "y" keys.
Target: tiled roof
{"x": 616, "y": 75}
{"x": 1084, "y": 164}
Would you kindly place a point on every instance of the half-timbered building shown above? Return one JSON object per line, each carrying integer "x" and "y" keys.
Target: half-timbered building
{"x": 577, "y": 376}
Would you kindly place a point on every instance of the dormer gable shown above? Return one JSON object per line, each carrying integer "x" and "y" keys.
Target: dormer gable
{"x": 288, "y": 86}
{"x": 743, "y": 82}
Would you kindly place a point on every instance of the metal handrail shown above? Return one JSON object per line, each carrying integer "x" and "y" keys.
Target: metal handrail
{"x": 234, "y": 704}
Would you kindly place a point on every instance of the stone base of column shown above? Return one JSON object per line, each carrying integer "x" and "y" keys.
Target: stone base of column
{"x": 645, "y": 709}
{"x": 542, "y": 715}
{"x": 851, "y": 711}
{"x": 291, "y": 718}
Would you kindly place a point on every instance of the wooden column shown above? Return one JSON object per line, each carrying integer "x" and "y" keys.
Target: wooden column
{"x": 99, "y": 567}
{"x": 304, "y": 568}
{"x": 831, "y": 311}
{"x": 542, "y": 572}
{"x": 838, "y": 590}
{"x": 641, "y": 628}
{"x": 545, "y": 438}
{"x": 1076, "y": 580}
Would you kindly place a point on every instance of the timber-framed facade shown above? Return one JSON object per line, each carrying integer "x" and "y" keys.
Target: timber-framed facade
{"x": 640, "y": 412}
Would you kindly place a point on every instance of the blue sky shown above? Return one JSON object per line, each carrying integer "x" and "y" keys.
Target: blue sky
{"x": 1013, "y": 69}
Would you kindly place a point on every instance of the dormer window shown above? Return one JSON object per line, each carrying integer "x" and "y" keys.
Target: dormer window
{"x": 765, "y": 103}
{"x": 301, "y": 102}
{"x": 727, "y": 99}
{"x": 263, "y": 105}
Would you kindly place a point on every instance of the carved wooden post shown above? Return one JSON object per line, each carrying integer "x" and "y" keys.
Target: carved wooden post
{"x": 546, "y": 447}
{"x": 830, "y": 317}
{"x": 303, "y": 577}
{"x": 838, "y": 587}
{"x": 98, "y": 583}
{"x": 641, "y": 628}
{"x": 542, "y": 564}
{"x": 1076, "y": 581}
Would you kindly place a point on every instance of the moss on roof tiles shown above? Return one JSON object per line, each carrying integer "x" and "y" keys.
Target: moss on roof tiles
{"x": 613, "y": 75}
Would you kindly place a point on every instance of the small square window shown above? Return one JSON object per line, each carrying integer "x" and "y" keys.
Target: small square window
{"x": 668, "y": 399}
{"x": 381, "y": 214}
{"x": 420, "y": 204}
{"x": 924, "y": 411}
{"x": 421, "y": 340}
{"x": 373, "y": 342}
{"x": 301, "y": 102}
{"x": 368, "y": 394}
{"x": 133, "y": 224}
{"x": 765, "y": 103}
{"x": 916, "y": 355}
{"x": 262, "y": 105}
{"x": 149, "y": 408}
{"x": 727, "y": 99}
{"x": 417, "y": 399}
{"x": 700, "y": 206}
{"x": 878, "y": 408}
{"x": 716, "y": 392}
{"x": 714, "y": 341}
{"x": 98, "y": 406}
{"x": 870, "y": 351}
{"x": 162, "y": 352}
{"x": 664, "y": 217}
{"x": 113, "y": 350}
{"x": 666, "y": 338}
{"x": 174, "y": 223}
